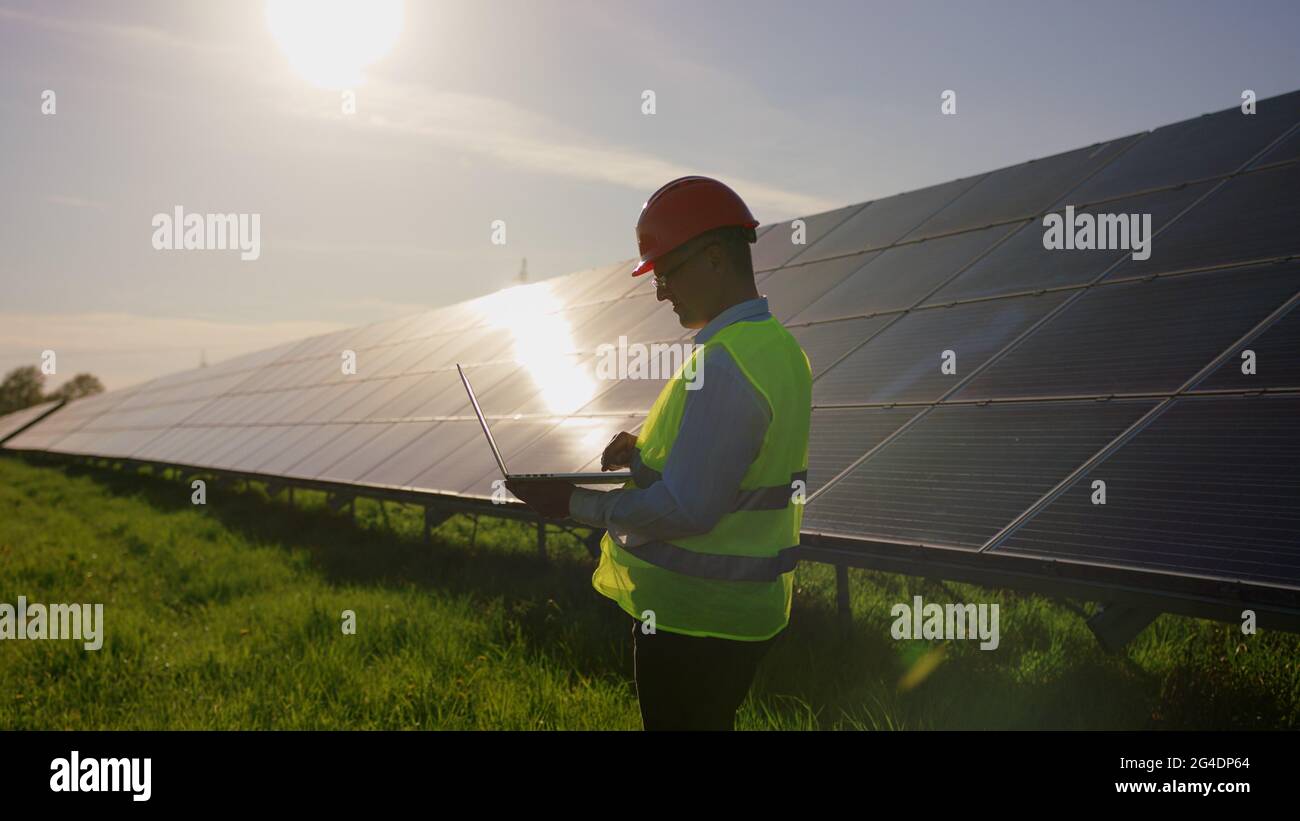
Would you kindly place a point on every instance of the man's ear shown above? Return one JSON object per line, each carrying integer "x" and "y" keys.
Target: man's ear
{"x": 716, "y": 257}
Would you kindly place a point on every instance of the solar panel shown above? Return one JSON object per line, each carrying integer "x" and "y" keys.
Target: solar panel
{"x": 901, "y": 276}
{"x": 50, "y": 433}
{"x": 1021, "y": 190}
{"x": 333, "y": 447}
{"x": 461, "y": 470}
{"x": 625, "y": 395}
{"x": 962, "y": 472}
{"x": 839, "y": 435}
{"x": 1207, "y": 146}
{"x": 905, "y": 362}
{"x": 1209, "y": 488}
{"x": 884, "y": 222}
{"x": 227, "y": 455}
{"x": 165, "y": 445}
{"x": 1252, "y": 217}
{"x": 790, "y": 290}
{"x": 402, "y": 469}
{"x": 826, "y": 342}
{"x": 778, "y": 245}
{"x": 1275, "y": 362}
{"x": 1286, "y": 150}
{"x": 388, "y": 445}
{"x": 596, "y": 284}
{"x": 201, "y": 441}
{"x": 1023, "y": 264}
{"x": 661, "y": 326}
{"x": 553, "y": 385}
{"x": 1137, "y": 337}
{"x": 304, "y": 441}
{"x": 447, "y": 397}
{"x": 604, "y": 327}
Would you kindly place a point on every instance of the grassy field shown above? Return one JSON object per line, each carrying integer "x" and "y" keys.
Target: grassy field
{"x": 228, "y": 616}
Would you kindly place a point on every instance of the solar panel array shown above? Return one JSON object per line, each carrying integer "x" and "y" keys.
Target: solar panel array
{"x": 970, "y": 385}
{"x": 13, "y": 423}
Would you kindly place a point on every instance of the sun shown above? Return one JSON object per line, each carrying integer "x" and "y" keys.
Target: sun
{"x": 329, "y": 42}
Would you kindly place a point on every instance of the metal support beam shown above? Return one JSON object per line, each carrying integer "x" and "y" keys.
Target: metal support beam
{"x": 435, "y": 515}
{"x": 336, "y": 501}
{"x": 843, "y": 604}
{"x": 1115, "y": 625}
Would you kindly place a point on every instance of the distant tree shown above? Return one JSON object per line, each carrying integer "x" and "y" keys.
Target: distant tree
{"x": 83, "y": 384}
{"x": 22, "y": 388}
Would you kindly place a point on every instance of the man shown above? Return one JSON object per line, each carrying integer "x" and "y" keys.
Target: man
{"x": 698, "y": 546}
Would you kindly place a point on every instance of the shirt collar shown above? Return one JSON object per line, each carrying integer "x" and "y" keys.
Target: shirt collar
{"x": 751, "y": 310}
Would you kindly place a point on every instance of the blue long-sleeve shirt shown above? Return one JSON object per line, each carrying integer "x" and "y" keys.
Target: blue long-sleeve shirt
{"x": 722, "y": 429}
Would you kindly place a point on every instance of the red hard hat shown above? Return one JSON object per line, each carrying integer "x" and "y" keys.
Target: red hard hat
{"x": 681, "y": 211}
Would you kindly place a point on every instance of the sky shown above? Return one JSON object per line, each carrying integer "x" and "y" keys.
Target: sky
{"x": 531, "y": 113}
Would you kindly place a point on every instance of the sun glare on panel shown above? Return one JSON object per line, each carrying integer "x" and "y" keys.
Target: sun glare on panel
{"x": 330, "y": 42}
{"x": 543, "y": 343}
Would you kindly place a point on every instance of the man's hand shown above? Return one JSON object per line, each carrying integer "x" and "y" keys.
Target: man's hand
{"x": 618, "y": 453}
{"x": 549, "y": 497}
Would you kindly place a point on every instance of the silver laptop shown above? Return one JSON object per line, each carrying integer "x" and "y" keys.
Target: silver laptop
{"x": 612, "y": 477}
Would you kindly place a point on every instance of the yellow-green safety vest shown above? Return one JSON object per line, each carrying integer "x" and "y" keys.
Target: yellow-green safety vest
{"x": 736, "y": 581}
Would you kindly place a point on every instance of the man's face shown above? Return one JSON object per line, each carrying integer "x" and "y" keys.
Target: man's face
{"x": 689, "y": 277}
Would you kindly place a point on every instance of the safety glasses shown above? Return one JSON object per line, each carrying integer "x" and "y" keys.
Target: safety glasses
{"x": 661, "y": 276}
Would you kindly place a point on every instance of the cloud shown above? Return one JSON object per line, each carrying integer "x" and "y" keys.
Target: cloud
{"x": 487, "y": 126}
{"x": 140, "y": 35}
{"x": 524, "y": 139}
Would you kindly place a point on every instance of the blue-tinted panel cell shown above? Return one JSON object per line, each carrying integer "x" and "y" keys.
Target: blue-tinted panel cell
{"x": 1270, "y": 360}
{"x": 1206, "y": 146}
{"x": 962, "y": 473}
{"x": 1022, "y": 190}
{"x": 1208, "y": 488}
{"x": 1252, "y": 217}
{"x": 840, "y": 435}
{"x": 781, "y": 243}
{"x": 790, "y": 290}
{"x": 826, "y": 342}
{"x": 886, "y": 221}
{"x": 1023, "y": 264}
{"x": 906, "y": 361}
{"x": 902, "y": 276}
{"x": 1137, "y": 337}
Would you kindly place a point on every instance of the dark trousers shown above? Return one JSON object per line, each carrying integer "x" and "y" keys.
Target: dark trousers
{"x": 692, "y": 682}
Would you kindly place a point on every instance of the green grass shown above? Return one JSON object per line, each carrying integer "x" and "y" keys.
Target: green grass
{"x": 228, "y": 616}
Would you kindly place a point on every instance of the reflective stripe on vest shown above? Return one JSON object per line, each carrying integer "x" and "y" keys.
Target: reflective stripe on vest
{"x": 773, "y": 497}
{"x": 714, "y": 565}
